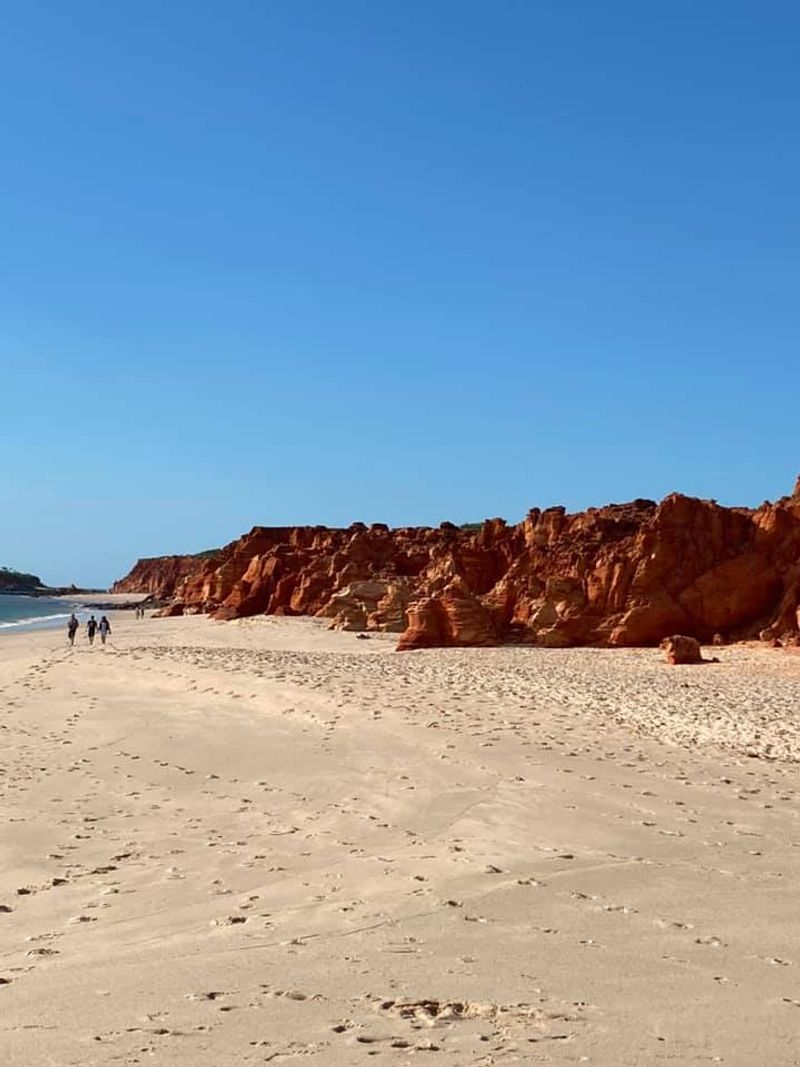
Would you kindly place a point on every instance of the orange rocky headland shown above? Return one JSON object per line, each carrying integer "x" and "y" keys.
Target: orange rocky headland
{"x": 162, "y": 575}
{"x": 624, "y": 574}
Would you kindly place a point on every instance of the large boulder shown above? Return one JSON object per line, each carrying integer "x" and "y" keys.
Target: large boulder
{"x": 169, "y": 611}
{"x": 680, "y": 650}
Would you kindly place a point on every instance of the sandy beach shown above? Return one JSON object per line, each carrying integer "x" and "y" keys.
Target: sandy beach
{"x": 263, "y": 842}
{"x": 117, "y": 600}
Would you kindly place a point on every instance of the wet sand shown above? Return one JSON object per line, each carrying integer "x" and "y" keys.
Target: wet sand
{"x": 261, "y": 842}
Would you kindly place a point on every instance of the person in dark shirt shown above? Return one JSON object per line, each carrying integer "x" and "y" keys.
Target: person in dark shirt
{"x": 72, "y": 628}
{"x": 91, "y": 629}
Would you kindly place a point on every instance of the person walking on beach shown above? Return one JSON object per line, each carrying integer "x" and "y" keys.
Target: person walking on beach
{"x": 91, "y": 629}
{"x": 72, "y": 628}
{"x": 105, "y": 629}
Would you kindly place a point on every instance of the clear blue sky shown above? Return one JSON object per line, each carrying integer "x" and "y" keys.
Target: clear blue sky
{"x": 327, "y": 260}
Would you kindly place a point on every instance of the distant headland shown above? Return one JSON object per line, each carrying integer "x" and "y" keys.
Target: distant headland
{"x": 18, "y": 583}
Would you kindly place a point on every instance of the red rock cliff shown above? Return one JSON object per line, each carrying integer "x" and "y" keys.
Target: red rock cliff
{"x": 624, "y": 574}
{"x": 160, "y": 575}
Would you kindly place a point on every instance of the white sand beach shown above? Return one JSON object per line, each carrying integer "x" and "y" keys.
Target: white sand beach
{"x": 262, "y": 842}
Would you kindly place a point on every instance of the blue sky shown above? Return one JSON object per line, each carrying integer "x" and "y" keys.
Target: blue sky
{"x": 287, "y": 262}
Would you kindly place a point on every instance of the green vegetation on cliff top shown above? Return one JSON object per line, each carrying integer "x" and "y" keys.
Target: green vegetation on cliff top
{"x": 13, "y": 581}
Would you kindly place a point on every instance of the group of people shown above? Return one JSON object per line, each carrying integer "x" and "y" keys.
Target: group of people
{"x": 139, "y": 611}
{"x": 93, "y": 627}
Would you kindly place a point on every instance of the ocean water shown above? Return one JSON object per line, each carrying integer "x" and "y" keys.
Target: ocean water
{"x": 35, "y": 612}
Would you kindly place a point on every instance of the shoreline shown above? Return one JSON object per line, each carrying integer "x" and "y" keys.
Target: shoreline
{"x": 47, "y": 593}
{"x": 80, "y": 604}
{"x": 107, "y": 601}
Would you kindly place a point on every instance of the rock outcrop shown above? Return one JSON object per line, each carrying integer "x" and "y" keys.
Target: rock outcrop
{"x": 456, "y": 618}
{"x": 624, "y": 574}
{"x": 679, "y": 650}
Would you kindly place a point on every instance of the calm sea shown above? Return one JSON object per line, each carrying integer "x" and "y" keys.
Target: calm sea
{"x": 34, "y": 612}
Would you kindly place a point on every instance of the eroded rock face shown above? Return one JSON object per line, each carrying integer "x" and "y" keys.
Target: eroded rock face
{"x": 624, "y": 574}
{"x": 161, "y": 576}
{"x": 351, "y": 608}
{"x": 456, "y": 618}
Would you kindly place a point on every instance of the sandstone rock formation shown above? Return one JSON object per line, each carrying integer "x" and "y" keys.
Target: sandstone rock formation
{"x": 457, "y": 617}
{"x": 680, "y": 649}
{"x": 624, "y": 574}
{"x": 160, "y": 575}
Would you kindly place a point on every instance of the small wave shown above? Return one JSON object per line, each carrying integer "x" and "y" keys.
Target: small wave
{"x": 36, "y": 619}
